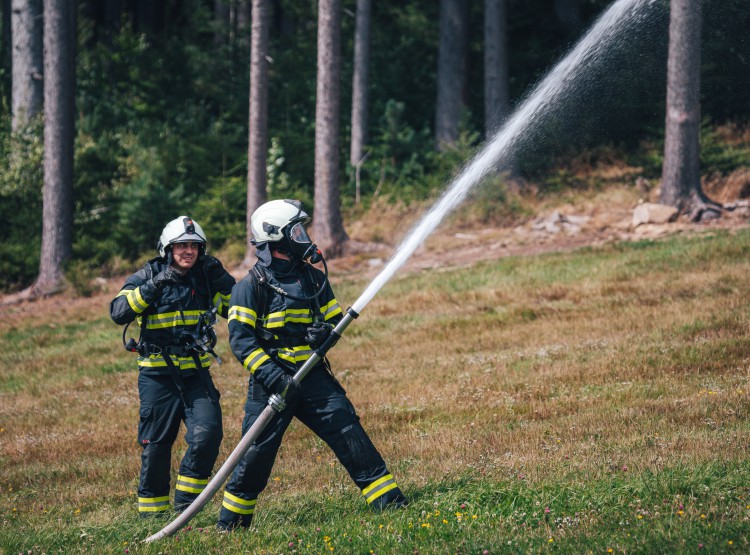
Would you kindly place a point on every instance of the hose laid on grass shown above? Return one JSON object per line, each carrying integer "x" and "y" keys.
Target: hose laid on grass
{"x": 252, "y": 434}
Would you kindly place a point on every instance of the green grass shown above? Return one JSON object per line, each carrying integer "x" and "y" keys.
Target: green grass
{"x": 594, "y": 401}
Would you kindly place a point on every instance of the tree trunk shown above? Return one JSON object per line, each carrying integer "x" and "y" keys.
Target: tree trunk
{"x": 496, "y": 96}
{"x": 26, "y": 33}
{"x": 328, "y": 229}
{"x": 242, "y": 23}
{"x": 451, "y": 73}
{"x": 5, "y": 47}
{"x": 681, "y": 184}
{"x": 360, "y": 96}
{"x": 221, "y": 21}
{"x": 59, "y": 90}
{"x": 257, "y": 151}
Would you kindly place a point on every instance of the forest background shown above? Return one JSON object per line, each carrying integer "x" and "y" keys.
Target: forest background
{"x": 162, "y": 117}
{"x": 579, "y": 401}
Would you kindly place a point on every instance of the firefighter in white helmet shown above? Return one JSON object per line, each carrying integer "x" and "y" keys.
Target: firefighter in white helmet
{"x": 282, "y": 310}
{"x": 174, "y": 299}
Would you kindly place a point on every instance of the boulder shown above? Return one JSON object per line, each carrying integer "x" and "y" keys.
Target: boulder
{"x": 651, "y": 213}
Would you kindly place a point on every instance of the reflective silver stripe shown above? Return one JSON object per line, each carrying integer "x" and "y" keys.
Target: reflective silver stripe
{"x": 296, "y": 354}
{"x": 238, "y": 505}
{"x": 275, "y": 320}
{"x": 173, "y": 319}
{"x": 220, "y": 300}
{"x": 136, "y": 302}
{"x": 331, "y": 309}
{"x": 379, "y": 487}
{"x": 255, "y": 359}
{"x": 242, "y": 314}
{"x": 184, "y": 363}
{"x": 191, "y": 485}
{"x": 153, "y": 504}
{"x": 289, "y": 316}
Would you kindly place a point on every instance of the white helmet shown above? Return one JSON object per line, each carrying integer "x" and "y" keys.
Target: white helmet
{"x": 285, "y": 219}
{"x": 270, "y": 219}
{"x": 181, "y": 230}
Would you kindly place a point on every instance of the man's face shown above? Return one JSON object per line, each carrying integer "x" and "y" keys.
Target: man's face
{"x": 185, "y": 255}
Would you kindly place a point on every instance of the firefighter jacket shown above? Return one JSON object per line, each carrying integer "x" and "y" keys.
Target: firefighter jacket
{"x": 269, "y": 340}
{"x": 168, "y": 317}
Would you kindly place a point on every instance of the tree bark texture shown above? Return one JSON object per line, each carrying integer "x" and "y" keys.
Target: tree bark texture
{"x": 59, "y": 90}
{"x": 328, "y": 227}
{"x": 257, "y": 152}
{"x": 27, "y": 72}
{"x": 451, "y": 73}
{"x": 496, "y": 96}
{"x": 681, "y": 185}
{"x": 361, "y": 81}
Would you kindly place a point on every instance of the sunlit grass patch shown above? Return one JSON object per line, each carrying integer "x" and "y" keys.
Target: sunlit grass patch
{"x": 589, "y": 401}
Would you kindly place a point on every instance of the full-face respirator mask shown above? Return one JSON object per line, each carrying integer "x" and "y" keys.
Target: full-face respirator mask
{"x": 300, "y": 245}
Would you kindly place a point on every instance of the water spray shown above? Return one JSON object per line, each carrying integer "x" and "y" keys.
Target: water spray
{"x": 610, "y": 26}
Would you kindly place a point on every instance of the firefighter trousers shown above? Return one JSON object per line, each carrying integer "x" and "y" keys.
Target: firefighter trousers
{"x": 325, "y": 409}
{"x": 165, "y": 402}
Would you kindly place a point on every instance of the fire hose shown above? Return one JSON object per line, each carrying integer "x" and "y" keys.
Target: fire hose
{"x": 252, "y": 434}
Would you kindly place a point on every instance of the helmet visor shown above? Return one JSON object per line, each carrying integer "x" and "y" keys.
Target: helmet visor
{"x": 298, "y": 234}
{"x": 299, "y": 242}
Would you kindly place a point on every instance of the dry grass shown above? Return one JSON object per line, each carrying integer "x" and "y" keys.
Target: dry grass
{"x": 555, "y": 371}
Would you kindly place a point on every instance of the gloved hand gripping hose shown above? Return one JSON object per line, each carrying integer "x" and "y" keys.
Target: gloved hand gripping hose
{"x": 252, "y": 434}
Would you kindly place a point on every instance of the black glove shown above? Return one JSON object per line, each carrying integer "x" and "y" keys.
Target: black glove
{"x": 167, "y": 276}
{"x": 318, "y": 333}
{"x": 214, "y": 268}
{"x": 289, "y": 391}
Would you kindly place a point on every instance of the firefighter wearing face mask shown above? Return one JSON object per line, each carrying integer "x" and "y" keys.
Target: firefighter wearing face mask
{"x": 174, "y": 299}
{"x": 282, "y": 310}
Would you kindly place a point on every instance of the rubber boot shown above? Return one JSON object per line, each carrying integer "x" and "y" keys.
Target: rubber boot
{"x": 393, "y": 499}
{"x": 229, "y": 521}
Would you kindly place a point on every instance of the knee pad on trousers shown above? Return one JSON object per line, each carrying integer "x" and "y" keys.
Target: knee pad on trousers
{"x": 206, "y": 440}
{"x": 204, "y": 445}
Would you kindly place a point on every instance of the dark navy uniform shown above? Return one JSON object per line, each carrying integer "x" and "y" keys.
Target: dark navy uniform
{"x": 174, "y": 383}
{"x": 323, "y": 406}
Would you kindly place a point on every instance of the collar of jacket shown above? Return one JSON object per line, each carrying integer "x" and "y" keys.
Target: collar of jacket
{"x": 281, "y": 266}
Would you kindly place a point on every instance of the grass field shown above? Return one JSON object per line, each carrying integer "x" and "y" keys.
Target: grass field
{"x": 594, "y": 401}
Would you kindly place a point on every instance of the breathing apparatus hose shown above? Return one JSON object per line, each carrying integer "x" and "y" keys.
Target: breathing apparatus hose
{"x": 252, "y": 434}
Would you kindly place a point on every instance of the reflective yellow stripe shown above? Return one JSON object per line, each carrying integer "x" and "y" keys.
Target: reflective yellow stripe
{"x": 379, "y": 487}
{"x": 298, "y": 316}
{"x": 133, "y": 296}
{"x": 220, "y": 300}
{"x": 255, "y": 359}
{"x": 331, "y": 309}
{"x": 296, "y": 354}
{"x": 153, "y": 504}
{"x": 274, "y": 320}
{"x": 243, "y": 314}
{"x": 192, "y": 485}
{"x": 192, "y": 480}
{"x": 173, "y": 319}
{"x": 238, "y": 505}
{"x": 183, "y": 363}
{"x": 289, "y": 316}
